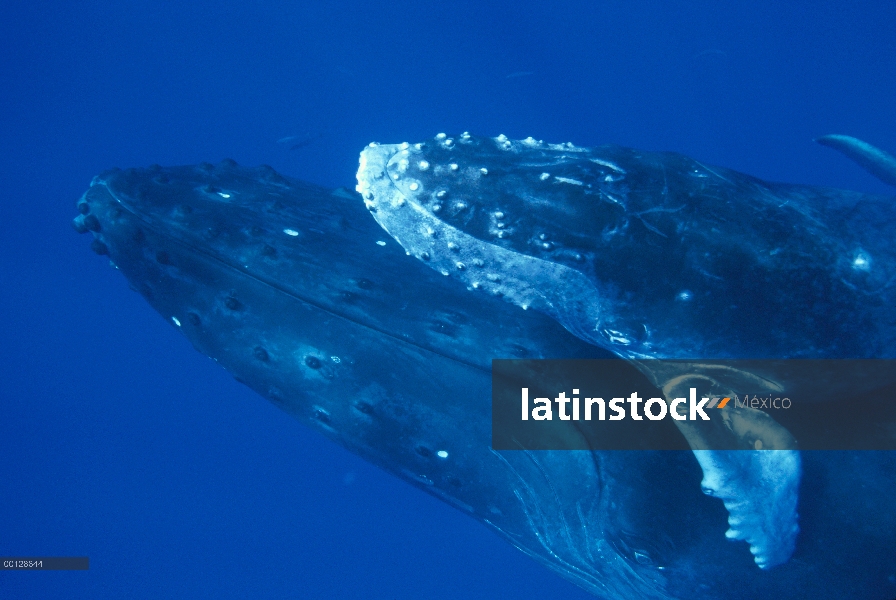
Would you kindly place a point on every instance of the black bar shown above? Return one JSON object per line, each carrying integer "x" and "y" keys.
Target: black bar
{"x": 831, "y": 404}
{"x": 44, "y": 563}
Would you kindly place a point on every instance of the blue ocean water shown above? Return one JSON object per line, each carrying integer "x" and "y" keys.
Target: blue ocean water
{"x": 120, "y": 442}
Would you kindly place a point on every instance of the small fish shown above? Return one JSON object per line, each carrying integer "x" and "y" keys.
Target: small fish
{"x": 300, "y": 141}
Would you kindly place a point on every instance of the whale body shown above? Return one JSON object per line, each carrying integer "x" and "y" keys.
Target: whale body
{"x": 658, "y": 256}
{"x": 297, "y": 292}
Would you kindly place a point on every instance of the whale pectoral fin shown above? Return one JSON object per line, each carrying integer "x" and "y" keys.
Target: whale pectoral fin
{"x": 759, "y": 487}
{"x": 874, "y": 160}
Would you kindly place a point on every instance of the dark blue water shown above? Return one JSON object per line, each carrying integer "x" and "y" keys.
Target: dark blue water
{"x": 120, "y": 442}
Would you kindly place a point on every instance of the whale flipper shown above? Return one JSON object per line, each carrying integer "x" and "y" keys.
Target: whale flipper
{"x": 758, "y": 483}
{"x": 874, "y": 160}
{"x": 759, "y": 489}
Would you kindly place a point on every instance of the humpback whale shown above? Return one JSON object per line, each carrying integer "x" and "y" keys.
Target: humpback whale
{"x": 655, "y": 255}
{"x": 299, "y": 294}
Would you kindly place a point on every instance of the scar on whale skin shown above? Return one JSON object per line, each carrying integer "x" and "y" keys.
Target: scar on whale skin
{"x": 757, "y": 487}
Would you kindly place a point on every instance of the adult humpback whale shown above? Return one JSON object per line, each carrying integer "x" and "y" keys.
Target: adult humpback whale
{"x": 299, "y": 294}
{"x": 655, "y": 255}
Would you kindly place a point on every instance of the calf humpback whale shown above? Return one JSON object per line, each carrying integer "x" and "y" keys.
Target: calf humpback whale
{"x": 655, "y": 255}
{"x": 301, "y": 296}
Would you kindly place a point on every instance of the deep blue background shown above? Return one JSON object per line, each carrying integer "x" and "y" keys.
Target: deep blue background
{"x": 119, "y": 441}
